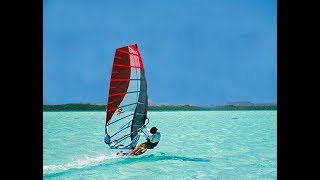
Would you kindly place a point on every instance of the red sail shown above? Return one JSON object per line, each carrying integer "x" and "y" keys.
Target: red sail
{"x": 127, "y": 99}
{"x": 120, "y": 77}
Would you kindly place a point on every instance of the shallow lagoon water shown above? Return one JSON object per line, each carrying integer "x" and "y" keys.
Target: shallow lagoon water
{"x": 194, "y": 145}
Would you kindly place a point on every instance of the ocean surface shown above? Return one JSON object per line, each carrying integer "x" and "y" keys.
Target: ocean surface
{"x": 194, "y": 145}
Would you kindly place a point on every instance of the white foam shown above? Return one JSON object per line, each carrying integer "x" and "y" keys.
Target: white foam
{"x": 81, "y": 163}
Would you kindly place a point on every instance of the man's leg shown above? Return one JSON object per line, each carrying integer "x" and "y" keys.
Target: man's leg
{"x": 143, "y": 147}
{"x": 135, "y": 149}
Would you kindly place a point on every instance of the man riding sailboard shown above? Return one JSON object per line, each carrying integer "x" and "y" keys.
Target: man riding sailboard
{"x": 152, "y": 141}
{"x": 127, "y": 106}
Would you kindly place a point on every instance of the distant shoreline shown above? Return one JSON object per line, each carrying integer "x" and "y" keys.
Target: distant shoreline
{"x": 91, "y": 107}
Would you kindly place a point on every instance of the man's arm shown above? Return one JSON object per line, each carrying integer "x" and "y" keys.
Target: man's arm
{"x": 144, "y": 135}
{"x": 145, "y": 127}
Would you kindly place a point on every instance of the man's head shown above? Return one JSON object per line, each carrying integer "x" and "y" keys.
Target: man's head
{"x": 153, "y": 130}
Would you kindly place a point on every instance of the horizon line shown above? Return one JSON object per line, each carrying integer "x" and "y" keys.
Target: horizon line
{"x": 180, "y": 104}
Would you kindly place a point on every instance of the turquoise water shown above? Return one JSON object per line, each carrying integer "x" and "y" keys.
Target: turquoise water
{"x": 194, "y": 145}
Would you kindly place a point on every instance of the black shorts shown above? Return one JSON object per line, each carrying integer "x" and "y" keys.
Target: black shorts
{"x": 150, "y": 145}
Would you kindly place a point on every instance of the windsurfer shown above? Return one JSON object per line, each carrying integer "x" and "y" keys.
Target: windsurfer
{"x": 152, "y": 141}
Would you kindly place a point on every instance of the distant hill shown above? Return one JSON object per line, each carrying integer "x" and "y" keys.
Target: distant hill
{"x": 247, "y": 103}
{"x": 102, "y": 107}
{"x": 98, "y": 103}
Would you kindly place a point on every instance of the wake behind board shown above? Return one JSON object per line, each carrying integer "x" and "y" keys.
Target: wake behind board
{"x": 121, "y": 153}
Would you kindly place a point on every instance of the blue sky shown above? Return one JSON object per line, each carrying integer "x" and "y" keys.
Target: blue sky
{"x": 201, "y": 52}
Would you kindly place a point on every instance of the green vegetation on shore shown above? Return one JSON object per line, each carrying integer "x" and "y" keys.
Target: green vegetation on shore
{"x": 91, "y": 107}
